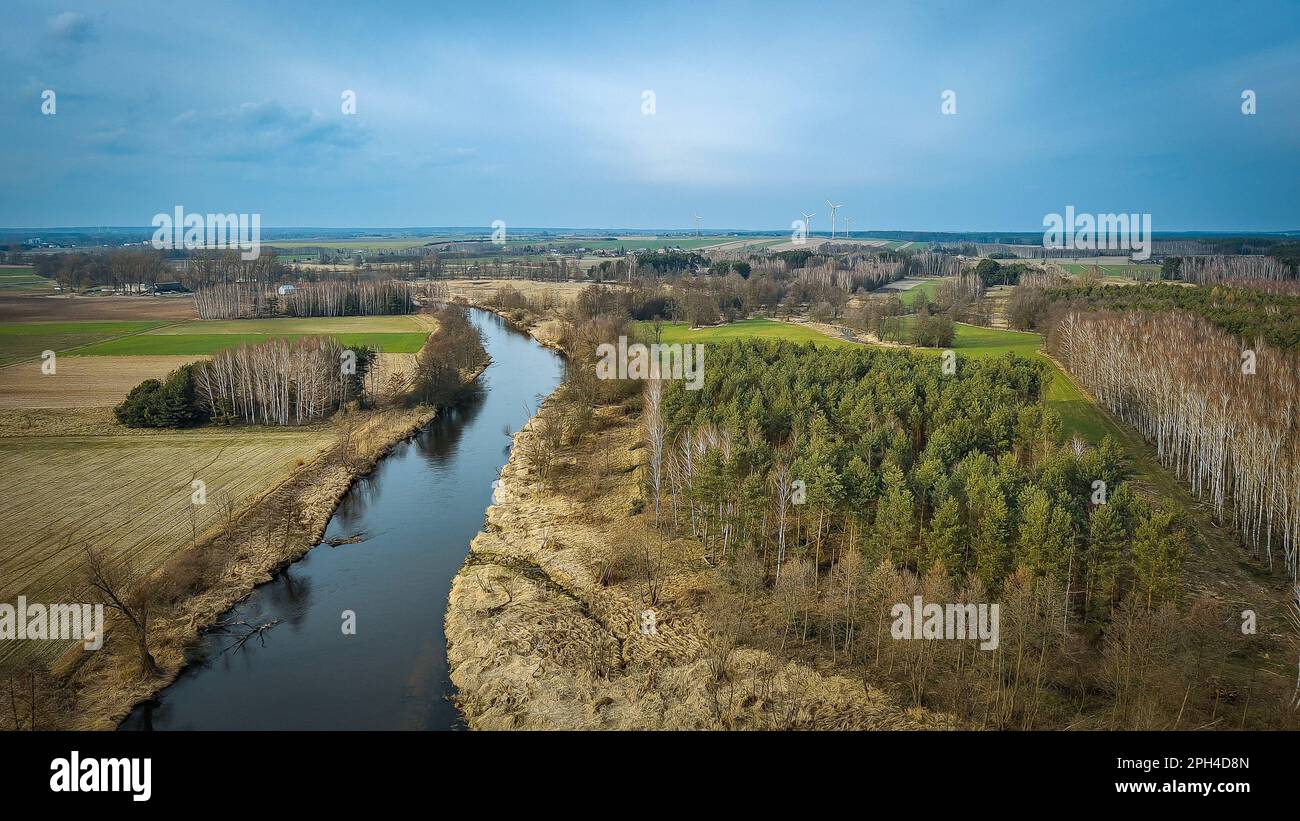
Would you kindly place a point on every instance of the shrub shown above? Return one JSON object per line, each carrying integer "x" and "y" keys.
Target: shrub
{"x": 169, "y": 404}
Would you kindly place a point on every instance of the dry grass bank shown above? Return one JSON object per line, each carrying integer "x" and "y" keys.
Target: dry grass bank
{"x": 544, "y": 619}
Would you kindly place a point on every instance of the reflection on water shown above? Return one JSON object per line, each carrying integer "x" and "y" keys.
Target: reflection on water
{"x": 419, "y": 510}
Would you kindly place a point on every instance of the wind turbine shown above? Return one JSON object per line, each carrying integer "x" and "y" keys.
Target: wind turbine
{"x": 834, "y": 208}
{"x": 807, "y": 223}
{"x": 697, "y": 224}
{"x": 848, "y": 227}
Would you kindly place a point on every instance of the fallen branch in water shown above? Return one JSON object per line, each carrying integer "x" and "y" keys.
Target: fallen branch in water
{"x": 335, "y": 541}
{"x": 250, "y": 630}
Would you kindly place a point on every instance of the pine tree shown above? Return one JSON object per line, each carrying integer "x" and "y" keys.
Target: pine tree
{"x": 892, "y": 530}
{"x": 1106, "y": 538}
{"x": 1158, "y": 551}
{"x": 945, "y": 539}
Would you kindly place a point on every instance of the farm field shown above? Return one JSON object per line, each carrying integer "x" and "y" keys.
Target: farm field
{"x": 18, "y": 279}
{"x": 480, "y": 290}
{"x": 82, "y": 382}
{"x": 1122, "y": 271}
{"x": 22, "y": 340}
{"x": 15, "y": 307}
{"x": 680, "y": 332}
{"x": 200, "y": 344}
{"x": 688, "y": 242}
{"x": 410, "y": 323}
{"x": 360, "y": 244}
{"x": 132, "y": 499}
{"x": 389, "y": 334}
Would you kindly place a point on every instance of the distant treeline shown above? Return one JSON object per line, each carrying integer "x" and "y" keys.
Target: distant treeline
{"x": 340, "y": 297}
{"x": 1249, "y": 314}
{"x": 1208, "y": 270}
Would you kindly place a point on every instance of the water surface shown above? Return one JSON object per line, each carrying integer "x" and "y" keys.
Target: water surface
{"x": 420, "y": 508}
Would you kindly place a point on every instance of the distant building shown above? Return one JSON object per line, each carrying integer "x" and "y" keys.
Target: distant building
{"x": 170, "y": 288}
{"x": 285, "y": 290}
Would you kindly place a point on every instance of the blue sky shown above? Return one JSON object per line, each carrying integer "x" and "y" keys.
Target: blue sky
{"x": 532, "y": 113}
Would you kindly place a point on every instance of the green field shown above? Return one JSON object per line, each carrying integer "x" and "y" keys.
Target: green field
{"x": 632, "y": 243}
{"x": 21, "y": 279}
{"x": 199, "y": 344}
{"x": 909, "y": 296}
{"x": 1124, "y": 271}
{"x": 679, "y": 332}
{"x": 22, "y": 340}
{"x": 197, "y": 337}
{"x": 362, "y": 244}
{"x": 289, "y": 326}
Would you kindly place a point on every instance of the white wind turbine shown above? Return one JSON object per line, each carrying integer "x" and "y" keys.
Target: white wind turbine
{"x": 834, "y": 208}
{"x": 807, "y": 223}
{"x": 848, "y": 227}
{"x": 697, "y": 224}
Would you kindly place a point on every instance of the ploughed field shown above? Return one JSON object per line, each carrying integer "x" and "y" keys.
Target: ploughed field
{"x": 129, "y": 496}
{"x": 71, "y": 476}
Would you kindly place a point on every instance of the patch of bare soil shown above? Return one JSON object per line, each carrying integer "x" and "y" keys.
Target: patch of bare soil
{"x": 69, "y": 308}
{"x": 82, "y": 381}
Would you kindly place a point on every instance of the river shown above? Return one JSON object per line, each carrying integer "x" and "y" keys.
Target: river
{"x": 420, "y": 508}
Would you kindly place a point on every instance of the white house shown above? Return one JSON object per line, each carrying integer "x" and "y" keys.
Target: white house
{"x": 285, "y": 290}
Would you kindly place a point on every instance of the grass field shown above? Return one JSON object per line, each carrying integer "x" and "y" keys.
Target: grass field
{"x": 389, "y": 334}
{"x": 910, "y": 295}
{"x": 199, "y": 344}
{"x": 128, "y": 495}
{"x": 313, "y": 325}
{"x": 362, "y": 244}
{"x": 23, "y": 280}
{"x": 631, "y": 243}
{"x": 679, "y": 332}
{"x": 22, "y": 340}
{"x": 1125, "y": 271}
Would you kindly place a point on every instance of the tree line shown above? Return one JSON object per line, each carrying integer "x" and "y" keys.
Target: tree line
{"x": 349, "y": 296}
{"x": 1223, "y": 417}
{"x": 1269, "y": 313}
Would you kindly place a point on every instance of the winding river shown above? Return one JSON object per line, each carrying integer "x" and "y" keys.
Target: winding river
{"x": 420, "y": 508}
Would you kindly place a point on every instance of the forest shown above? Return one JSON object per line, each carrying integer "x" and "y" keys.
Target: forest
{"x": 1269, "y": 314}
{"x": 1222, "y": 418}
{"x": 824, "y": 485}
{"x": 900, "y": 463}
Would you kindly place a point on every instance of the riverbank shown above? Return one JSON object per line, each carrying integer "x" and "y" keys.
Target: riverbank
{"x": 225, "y": 565}
{"x": 546, "y": 621}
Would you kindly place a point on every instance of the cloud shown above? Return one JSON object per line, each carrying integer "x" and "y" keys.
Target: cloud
{"x": 117, "y": 141}
{"x": 267, "y": 130}
{"x": 71, "y": 27}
